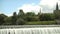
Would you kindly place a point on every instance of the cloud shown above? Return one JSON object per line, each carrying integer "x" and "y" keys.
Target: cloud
{"x": 0, "y": 12}
{"x": 48, "y": 2}
{"x": 47, "y": 6}
{"x": 30, "y": 8}
{"x": 9, "y": 14}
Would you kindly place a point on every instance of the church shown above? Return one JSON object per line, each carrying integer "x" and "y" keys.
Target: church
{"x": 57, "y": 14}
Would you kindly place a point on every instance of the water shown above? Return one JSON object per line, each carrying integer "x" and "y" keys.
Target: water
{"x": 45, "y": 30}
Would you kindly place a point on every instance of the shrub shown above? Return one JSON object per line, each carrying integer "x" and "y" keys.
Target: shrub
{"x": 20, "y": 21}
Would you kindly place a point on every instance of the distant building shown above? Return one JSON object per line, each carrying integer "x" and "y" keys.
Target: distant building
{"x": 39, "y": 13}
{"x": 57, "y": 14}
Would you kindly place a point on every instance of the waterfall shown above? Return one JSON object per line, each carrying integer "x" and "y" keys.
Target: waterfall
{"x": 50, "y": 30}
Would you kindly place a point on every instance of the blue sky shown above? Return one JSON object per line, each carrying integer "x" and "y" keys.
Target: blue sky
{"x": 9, "y": 6}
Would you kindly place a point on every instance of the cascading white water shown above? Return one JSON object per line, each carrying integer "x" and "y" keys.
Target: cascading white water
{"x": 50, "y": 30}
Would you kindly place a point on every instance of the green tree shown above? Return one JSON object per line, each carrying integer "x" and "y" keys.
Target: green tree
{"x": 2, "y": 17}
{"x": 46, "y": 17}
{"x": 14, "y": 18}
{"x": 20, "y": 14}
{"x": 8, "y": 20}
{"x": 20, "y": 21}
{"x": 30, "y": 16}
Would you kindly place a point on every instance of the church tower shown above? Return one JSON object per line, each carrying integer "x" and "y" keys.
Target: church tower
{"x": 39, "y": 13}
{"x": 57, "y": 14}
{"x": 57, "y": 8}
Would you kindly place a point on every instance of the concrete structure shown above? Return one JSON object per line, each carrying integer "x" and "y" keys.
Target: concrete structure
{"x": 26, "y": 26}
{"x": 30, "y": 29}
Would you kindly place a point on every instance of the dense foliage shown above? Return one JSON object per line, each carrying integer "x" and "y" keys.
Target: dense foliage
{"x": 25, "y": 18}
{"x": 46, "y": 17}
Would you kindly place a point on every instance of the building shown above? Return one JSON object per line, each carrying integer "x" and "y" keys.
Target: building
{"x": 57, "y": 14}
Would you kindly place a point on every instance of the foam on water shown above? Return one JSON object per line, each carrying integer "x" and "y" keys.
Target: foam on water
{"x": 48, "y": 30}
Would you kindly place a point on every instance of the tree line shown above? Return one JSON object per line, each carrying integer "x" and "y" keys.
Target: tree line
{"x": 21, "y": 18}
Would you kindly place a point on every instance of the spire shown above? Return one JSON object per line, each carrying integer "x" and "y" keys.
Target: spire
{"x": 57, "y": 8}
{"x": 39, "y": 12}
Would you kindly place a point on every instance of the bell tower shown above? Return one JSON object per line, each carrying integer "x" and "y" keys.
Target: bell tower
{"x": 57, "y": 14}
{"x": 57, "y": 8}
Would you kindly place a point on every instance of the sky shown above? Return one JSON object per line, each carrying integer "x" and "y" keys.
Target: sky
{"x": 7, "y": 7}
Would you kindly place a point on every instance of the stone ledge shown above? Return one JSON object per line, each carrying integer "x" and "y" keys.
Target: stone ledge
{"x": 26, "y": 26}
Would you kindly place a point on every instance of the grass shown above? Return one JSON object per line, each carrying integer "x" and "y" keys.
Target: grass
{"x": 41, "y": 23}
